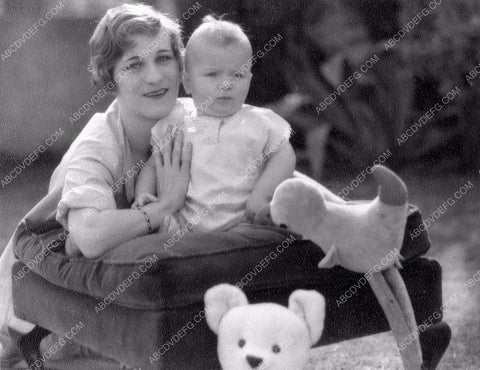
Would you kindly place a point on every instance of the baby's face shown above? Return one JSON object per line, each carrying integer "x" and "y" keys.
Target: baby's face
{"x": 218, "y": 77}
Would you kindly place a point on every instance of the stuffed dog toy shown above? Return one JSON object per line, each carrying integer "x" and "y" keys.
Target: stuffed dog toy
{"x": 264, "y": 335}
{"x": 355, "y": 235}
{"x": 359, "y": 236}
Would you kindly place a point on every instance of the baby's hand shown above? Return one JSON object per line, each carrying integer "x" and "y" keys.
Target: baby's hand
{"x": 256, "y": 205}
{"x": 144, "y": 199}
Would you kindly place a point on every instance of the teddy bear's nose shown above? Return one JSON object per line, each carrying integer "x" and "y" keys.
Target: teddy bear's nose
{"x": 254, "y": 361}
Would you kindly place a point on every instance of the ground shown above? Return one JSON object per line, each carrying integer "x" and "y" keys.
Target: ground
{"x": 455, "y": 234}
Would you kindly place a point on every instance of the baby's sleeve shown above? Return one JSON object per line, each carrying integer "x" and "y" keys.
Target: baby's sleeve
{"x": 276, "y": 129}
{"x": 157, "y": 135}
{"x": 89, "y": 179}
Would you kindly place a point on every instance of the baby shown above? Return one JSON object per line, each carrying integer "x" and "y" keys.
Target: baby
{"x": 240, "y": 153}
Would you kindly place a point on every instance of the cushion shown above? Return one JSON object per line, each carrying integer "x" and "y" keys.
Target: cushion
{"x": 180, "y": 338}
{"x": 162, "y": 271}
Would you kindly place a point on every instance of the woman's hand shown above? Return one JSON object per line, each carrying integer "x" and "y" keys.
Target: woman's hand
{"x": 173, "y": 169}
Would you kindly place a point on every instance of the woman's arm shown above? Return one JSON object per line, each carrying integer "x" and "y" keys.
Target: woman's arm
{"x": 96, "y": 232}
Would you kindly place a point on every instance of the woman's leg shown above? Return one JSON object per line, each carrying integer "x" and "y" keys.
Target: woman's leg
{"x": 7, "y": 318}
{"x": 9, "y": 353}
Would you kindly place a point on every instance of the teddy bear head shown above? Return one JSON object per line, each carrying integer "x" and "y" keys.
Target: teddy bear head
{"x": 264, "y": 335}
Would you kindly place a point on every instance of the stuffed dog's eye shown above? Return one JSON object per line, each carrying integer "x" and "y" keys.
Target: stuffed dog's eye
{"x": 276, "y": 348}
{"x": 283, "y": 226}
{"x": 241, "y": 343}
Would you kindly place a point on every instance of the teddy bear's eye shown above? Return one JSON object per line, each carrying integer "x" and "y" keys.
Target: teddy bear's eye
{"x": 241, "y": 343}
{"x": 276, "y": 348}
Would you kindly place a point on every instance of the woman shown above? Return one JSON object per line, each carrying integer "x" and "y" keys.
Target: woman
{"x": 135, "y": 52}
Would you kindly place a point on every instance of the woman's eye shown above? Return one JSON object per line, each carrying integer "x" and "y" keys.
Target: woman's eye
{"x": 133, "y": 66}
{"x": 241, "y": 343}
{"x": 276, "y": 348}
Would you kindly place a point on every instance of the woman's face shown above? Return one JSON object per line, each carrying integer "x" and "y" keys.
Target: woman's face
{"x": 148, "y": 78}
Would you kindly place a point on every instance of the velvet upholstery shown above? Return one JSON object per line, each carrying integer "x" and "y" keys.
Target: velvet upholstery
{"x": 161, "y": 308}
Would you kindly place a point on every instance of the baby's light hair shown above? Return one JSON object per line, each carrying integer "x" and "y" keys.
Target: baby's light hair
{"x": 217, "y": 31}
{"x": 222, "y": 31}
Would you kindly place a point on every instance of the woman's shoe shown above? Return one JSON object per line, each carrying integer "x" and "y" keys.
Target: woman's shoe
{"x": 29, "y": 345}
{"x": 434, "y": 341}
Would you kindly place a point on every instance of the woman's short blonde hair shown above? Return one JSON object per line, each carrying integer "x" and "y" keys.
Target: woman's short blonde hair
{"x": 112, "y": 37}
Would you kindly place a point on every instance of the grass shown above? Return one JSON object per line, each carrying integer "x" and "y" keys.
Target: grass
{"x": 455, "y": 244}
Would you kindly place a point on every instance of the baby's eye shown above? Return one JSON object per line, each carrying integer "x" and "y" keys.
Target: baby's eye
{"x": 163, "y": 58}
{"x": 241, "y": 343}
{"x": 238, "y": 75}
{"x": 212, "y": 74}
{"x": 276, "y": 348}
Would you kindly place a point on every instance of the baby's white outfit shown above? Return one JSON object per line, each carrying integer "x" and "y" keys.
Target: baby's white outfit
{"x": 229, "y": 155}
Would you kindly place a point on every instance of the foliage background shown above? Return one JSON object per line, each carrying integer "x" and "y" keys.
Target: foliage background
{"x": 46, "y": 80}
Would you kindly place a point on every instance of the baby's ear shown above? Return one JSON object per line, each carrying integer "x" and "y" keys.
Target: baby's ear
{"x": 186, "y": 82}
{"x": 309, "y": 305}
{"x": 219, "y": 300}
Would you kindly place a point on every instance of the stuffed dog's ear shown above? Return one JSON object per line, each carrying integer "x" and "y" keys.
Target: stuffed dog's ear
{"x": 309, "y": 305}
{"x": 219, "y": 300}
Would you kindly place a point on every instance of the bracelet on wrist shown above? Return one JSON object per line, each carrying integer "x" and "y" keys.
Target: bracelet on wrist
{"x": 147, "y": 219}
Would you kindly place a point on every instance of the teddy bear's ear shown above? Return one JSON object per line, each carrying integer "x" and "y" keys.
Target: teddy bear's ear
{"x": 309, "y": 305}
{"x": 219, "y": 300}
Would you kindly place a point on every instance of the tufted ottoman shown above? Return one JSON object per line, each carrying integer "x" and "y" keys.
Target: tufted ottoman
{"x": 142, "y": 303}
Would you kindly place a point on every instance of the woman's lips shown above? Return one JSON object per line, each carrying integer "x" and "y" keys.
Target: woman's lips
{"x": 156, "y": 94}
